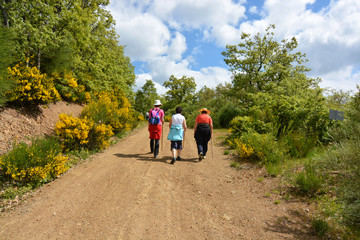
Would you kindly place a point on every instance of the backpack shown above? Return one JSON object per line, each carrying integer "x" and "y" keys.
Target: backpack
{"x": 154, "y": 119}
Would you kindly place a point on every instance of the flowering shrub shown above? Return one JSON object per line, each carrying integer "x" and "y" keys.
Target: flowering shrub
{"x": 258, "y": 147}
{"x": 69, "y": 89}
{"x": 111, "y": 110}
{"x": 245, "y": 152}
{"x": 73, "y": 132}
{"x": 77, "y": 133}
{"x": 39, "y": 162}
{"x": 31, "y": 87}
{"x": 102, "y": 134}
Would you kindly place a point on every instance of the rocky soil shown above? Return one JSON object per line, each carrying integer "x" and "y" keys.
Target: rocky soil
{"x": 21, "y": 125}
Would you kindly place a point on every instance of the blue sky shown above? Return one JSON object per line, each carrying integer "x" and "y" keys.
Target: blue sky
{"x": 186, "y": 37}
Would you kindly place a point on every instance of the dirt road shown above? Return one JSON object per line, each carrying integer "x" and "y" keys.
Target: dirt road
{"x": 124, "y": 193}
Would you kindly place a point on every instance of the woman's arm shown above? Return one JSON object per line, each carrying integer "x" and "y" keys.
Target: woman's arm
{"x": 195, "y": 126}
{"x": 184, "y": 124}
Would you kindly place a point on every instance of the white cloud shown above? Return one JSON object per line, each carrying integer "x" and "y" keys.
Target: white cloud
{"x": 153, "y": 32}
{"x": 162, "y": 68}
{"x": 344, "y": 78}
{"x": 144, "y": 36}
{"x": 141, "y": 80}
{"x": 330, "y": 37}
{"x": 192, "y": 14}
{"x": 177, "y": 47}
{"x": 253, "y": 10}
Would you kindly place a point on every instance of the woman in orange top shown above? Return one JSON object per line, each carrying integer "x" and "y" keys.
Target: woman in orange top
{"x": 202, "y": 132}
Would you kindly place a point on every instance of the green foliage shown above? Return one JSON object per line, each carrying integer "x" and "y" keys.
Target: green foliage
{"x": 180, "y": 91}
{"x": 66, "y": 36}
{"x": 37, "y": 163}
{"x": 111, "y": 109}
{"x": 298, "y": 143}
{"x": 6, "y": 59}
{"x": 227, "y": 113}
{"x": 257, "y": 147}
{"x": 309, "y": 182}
{"x": 337, "y": 99}
{"x": 145, "y": 98}
{"x": 274, "y": 169}
{"x": 69, "y": 89}
{"x": 259, "y": 64}
{"x": 242, "y": 125}
{"x": 320, "y": 227}
{"x": 12, "y": 192}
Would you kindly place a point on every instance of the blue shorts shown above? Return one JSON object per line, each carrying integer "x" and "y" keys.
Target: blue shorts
{"x": 176, "y": 145}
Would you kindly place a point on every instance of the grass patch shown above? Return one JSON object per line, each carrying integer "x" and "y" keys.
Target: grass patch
{"x": 320, "y": 227}
{"x": 260, "y": 179}
{"x": 12, "y": 192}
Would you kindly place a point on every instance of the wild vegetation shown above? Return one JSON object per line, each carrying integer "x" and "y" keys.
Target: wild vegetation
{"x": 63, "y": 50}
{"x": 277, "y": 116}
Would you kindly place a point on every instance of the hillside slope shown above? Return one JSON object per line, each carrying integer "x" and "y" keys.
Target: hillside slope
{"x": 20, "y": 125}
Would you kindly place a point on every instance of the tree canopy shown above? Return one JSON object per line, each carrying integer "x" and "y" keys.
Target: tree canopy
{"x": 70, "y": 36}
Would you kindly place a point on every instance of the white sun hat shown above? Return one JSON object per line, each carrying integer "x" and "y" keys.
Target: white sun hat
{"x": 157, "y": 103}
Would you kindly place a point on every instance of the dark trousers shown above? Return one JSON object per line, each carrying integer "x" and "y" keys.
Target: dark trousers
{"x": 154, "y": 146}
{"x": 202, "y": 137}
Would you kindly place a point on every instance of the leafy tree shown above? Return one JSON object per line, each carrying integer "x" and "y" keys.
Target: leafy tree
{"x": 74, "y": 36}
{"x": 260, "y": 64}
{"x": 337, "y": 99}
{"x": 270, "y": 83}
{"x": 180, "y": 91}
{"x": 145, "y": 98}
{"x": 7, "y": 57}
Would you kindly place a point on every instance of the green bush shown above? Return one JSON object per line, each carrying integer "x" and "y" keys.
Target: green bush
{"x": 298, "y": 143}
{"x": 77, "y": 133}
{"x": 111, "y": 110}
{"x": 308, "y": 182}
{"x": 257, "y": 147}
{"x": 320, "y": 227}
{"x": 39, "y": 162}
{"x": 227, "y": 113}
{"x": 240, "y": 125}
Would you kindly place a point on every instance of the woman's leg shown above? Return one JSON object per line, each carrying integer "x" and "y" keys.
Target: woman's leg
{"x": 152, "y": 145}
{"x": 173, "y": 151}
{"x": 156, "y": 150}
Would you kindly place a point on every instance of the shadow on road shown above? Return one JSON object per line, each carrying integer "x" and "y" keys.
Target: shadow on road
{"x": 149, "y": 157}
{"x": 291, "y": 226}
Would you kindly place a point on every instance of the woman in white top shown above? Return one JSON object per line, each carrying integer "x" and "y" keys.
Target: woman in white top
{"x": 176, "y": 134}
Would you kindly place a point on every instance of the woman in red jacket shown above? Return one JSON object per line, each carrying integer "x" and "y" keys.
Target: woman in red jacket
{"x": 202, "y": 132}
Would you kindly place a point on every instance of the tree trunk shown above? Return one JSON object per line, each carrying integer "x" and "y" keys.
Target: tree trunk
{"x": 4, "y": 15}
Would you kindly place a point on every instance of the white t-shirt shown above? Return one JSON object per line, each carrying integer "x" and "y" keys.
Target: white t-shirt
{"x": 177, "y": 119}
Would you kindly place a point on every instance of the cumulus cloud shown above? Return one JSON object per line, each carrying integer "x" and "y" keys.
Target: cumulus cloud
{"x": 192, "y": 14}
{"x": 330, "y": 38}
{"x": 344, "y": 78}
{"x": 154, "y": 33}
{"x": 162, "y": 68}
{"x": 177, "y": 47}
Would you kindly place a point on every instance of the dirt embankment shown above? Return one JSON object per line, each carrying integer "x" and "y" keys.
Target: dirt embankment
{"x": 20, "y": 125}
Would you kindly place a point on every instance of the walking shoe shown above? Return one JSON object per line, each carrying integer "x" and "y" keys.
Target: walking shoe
{"x": 201, "y": 156}
{"x": 204, "y": 157}
{"x": 173, "y": 161}
{"x": 178, "y": 158}
{"x": 155, "y": 156}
